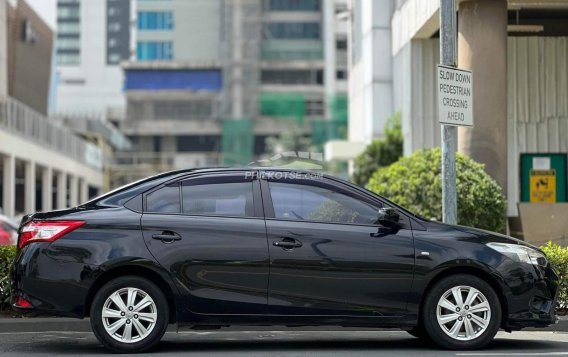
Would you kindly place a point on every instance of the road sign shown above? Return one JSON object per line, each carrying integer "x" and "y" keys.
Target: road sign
{"x": 543, "y": 186}
{"x": 455, "y": 96}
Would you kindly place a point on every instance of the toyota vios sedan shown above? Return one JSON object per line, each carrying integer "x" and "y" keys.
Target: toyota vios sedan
{"x": 215, "y": 247}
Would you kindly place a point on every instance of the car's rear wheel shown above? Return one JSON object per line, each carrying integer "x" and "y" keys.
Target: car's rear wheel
{"x": 129, "y": 314}
{"x": 462, "y": 312}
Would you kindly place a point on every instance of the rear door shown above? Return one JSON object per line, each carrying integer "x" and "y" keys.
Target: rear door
{"x": 328, "y": 255}
{"x": 209, "y": 232}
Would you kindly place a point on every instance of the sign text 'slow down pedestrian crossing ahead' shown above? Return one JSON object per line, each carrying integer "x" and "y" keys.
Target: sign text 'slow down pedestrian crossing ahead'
{"x": 455, "y": 96}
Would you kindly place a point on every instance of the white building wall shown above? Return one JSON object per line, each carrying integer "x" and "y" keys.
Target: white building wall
{"x": 370, "y": 81}
{"x": 3, "y": 50}
{"x": 414, "y": 94}
{"x": 537, "y": 99}
{"x": 93, "y": 86}
{"x": 537, "y": 102}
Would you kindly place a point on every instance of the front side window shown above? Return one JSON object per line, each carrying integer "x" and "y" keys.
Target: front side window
{"x": 320, "y": 203}
{"x": 233, "y": 199}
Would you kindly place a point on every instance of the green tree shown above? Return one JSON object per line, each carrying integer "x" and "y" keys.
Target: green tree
{"x": 415, "y": 182}
{"x": 380, "y": 153}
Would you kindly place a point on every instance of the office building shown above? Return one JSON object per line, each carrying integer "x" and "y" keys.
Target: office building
{"x": 43, "y": 165}
{"x": 93, "y": 37}
{"x": 213, "y": 79}
{"x": 517, "y": 51}
{"x": 29, "y": 48}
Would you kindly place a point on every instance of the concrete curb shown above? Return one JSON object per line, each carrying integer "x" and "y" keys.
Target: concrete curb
{"x": 61, "y": 324}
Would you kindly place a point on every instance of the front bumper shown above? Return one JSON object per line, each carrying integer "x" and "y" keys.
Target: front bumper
{"x": 535, "y": 300}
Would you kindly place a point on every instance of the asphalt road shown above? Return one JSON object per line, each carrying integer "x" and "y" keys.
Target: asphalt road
{"x": 283, "y": 343}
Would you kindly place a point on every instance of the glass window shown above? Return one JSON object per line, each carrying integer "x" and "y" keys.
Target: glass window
{"x": 151, "y": 51}
{"x": 293, "y": 30}
{"x": 68, "y": 27}
{"x": 155, "y": 20}
{"x": 164, "y": 200}
{"x": 220, "y": 199}
{"x": 305, "y": 202}
{"x": 291, "y": 76}
{"x": 67, "y": 12}
{"x": 294, "y": 5}
{"x": 68, "y": 59}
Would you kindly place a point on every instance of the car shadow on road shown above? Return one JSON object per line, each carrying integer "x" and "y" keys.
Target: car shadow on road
{"x": 269, "y": 346}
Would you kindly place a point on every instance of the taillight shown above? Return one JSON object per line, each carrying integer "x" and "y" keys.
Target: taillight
{"x": 46, "y": 231}
{"x": 22, "y": 303}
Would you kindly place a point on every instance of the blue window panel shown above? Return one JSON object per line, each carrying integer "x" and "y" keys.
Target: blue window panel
{"x": 293, "y": 30}
{"x": 194, "y": 80}
{"x": 155, "y": 20}
{"x": 154, "y": 51}
{"x": 295, "y": 5}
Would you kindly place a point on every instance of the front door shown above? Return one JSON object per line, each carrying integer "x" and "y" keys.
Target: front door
{"x": 208, "y": 231}
{"x": 328, "y": 256}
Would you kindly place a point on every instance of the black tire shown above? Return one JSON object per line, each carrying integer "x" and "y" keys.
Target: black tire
{"x": 430, "y": 306}
{"x": 162, "y": 311}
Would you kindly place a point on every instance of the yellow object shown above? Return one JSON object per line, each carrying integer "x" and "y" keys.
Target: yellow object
{"x": 543, "y": 186}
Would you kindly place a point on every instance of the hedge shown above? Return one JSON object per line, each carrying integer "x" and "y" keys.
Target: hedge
{"x": 7, "y": 255}
{"x": 558, "y": 257}
{"x": 415, "y": 182}
{"x": 380, "y": 152}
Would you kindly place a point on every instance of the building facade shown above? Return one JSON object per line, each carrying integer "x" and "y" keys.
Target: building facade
{"x": 30, "y": 44}
{"x": 517, "y": 52}
{"x": 93, "y": 37}
{"x": 213, "y": 79}
{"x": 43, "y": 165}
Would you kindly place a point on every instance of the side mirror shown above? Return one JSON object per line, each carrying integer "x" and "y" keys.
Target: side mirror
{"x": 388, "y": 217}
{"x": 388, "y": 222}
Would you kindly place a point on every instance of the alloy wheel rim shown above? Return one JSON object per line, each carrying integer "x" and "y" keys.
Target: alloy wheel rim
{"x": 129, "y": 315}
{"x": 463, "y": 313}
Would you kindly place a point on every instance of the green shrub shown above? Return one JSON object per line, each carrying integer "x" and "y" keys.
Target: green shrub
{"x": 379, "y": 153}
{"x": 415, "y": 182}
{"x": 7, "y": 255}
{"x": 558, "y": 257}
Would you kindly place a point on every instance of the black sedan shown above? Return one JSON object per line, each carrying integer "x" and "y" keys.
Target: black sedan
{"x": 215, "y": 247}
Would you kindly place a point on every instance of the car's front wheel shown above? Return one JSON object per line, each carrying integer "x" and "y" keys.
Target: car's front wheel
{"x": 462, "y": 312}
{"x": 129, "y": 314}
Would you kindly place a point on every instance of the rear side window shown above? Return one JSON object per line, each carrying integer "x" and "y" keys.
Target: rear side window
{"x": 218, "y": 199}
{"x": 164, "y": 200}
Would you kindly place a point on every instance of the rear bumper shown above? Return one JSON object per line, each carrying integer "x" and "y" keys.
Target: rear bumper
{"x": 47, "y": 286}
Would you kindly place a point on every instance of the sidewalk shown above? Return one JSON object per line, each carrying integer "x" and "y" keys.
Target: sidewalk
{"x": 61, "y": 324}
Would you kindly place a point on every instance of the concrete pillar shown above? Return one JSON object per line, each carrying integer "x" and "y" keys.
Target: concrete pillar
{"x": 482, "y": 48}
{"x": 329, "y": 54}
{"x": 30, "y": 187}
{"x": 73, "y": 191}
{"x": 61, "y": 190}
{"x": 3, "y": 49}
{"x": 46, "y": 189}
{"x": 84, "y": 191}
{"x": 9, "y": 186}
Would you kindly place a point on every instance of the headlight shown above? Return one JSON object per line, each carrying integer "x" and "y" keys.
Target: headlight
{"x": 520, "y": 253}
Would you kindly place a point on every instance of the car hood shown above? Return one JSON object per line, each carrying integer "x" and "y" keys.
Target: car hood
{"x": 489, "y": 236}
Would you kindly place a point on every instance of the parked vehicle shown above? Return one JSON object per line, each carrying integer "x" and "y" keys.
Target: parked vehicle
{"x": 8, "y": 231}
{"x": 215, "y": 247}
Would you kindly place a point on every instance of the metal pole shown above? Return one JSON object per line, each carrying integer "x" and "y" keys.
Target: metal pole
{"x": 449, "y": 133}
